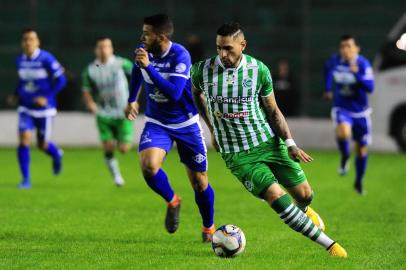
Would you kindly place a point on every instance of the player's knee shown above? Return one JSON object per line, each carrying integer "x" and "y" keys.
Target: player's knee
{"x": 273, "y": 193}
{"x": 149, "y": 167}
{"x": 199, "y": 181}
{"x": 123, "y": 148}
{"x": 362, "y": 151}
{"x": 42, "y": 145}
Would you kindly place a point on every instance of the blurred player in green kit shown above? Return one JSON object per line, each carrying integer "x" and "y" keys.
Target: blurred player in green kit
{"x": 105, "y": 92}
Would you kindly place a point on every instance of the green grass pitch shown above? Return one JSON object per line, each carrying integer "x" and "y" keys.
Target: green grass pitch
{"x": 79, "y": 220}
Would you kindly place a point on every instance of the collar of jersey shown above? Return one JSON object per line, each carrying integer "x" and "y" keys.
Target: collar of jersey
{"x": 343, "y": 61}
{"x": 34, "y": 55}
{"x": 242, "y": 62}
{"x": 109, "y": 61}
{"x": 166, "y": 52}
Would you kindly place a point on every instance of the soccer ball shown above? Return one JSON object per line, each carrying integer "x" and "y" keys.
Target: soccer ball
{"x": 228, "y": 241}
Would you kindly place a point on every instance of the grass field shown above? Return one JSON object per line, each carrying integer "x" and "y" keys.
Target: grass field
{"x": 79, "y": 220}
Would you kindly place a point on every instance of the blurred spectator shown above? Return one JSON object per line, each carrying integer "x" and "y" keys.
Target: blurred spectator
{"x": 286, "y": 92}
{"x": 195, "y": 47}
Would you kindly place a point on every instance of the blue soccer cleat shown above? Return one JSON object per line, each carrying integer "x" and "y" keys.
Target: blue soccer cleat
{"x": 25, "y": 184}
{"x": 57, "y": 164}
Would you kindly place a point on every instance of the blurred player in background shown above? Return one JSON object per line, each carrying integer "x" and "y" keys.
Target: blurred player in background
{"x": 348, "y": 81}
{"x": 234, "y": 94}
{"x": 106, "y": 79}
{"x": 164, "y": 66}
{"x": 41, "y": 77}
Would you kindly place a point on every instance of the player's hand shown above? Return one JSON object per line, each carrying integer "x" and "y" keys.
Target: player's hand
{"x": 354, "y": 66}
{"x": 298, "y": 154}
{"x": 92, "y": 107}
{"x": 12, "y": 100}
{"x": 141, "y": 57}
{"x": 327, "y": 95}
{"x": 41, "y": 101}
{"x": 131, "y": 111}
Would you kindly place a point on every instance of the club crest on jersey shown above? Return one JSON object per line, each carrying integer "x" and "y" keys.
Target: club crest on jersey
{"x": 248, "y": 185}
{"x": 199, "y": 158}
{"x": 230, "y": 79}
{"x": 247, "y": 83}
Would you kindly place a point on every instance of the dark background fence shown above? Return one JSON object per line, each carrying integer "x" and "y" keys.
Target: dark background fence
{"x": 304, "y": 32}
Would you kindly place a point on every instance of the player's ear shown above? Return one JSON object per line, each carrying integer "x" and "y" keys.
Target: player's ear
{"x": 243, "y": 44}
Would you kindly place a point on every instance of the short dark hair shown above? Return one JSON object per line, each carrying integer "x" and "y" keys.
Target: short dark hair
{"x": 27, "y": 30}
{"x": 161, "y": 24}
{"x": 229, "y": 29}
{"x": 347, "y": 37}
{"x": 101, "y": 38}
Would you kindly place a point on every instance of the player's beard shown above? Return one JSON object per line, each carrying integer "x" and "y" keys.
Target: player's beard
{"x": 228, "y": 64}
{"x": 155, "y": 48}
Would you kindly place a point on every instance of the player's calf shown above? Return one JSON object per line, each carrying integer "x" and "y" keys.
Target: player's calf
{"x": 297, "y": 219}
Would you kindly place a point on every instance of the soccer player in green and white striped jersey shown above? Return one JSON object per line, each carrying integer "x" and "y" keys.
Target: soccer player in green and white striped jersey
{"x": 234, "y": 94}
{"x": 106, "y": 79}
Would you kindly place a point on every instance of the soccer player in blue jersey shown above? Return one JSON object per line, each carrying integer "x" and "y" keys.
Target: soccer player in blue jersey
{"x": 41, "y": 77}
{"x": 163, "y": 67}
{"x": 348, "y": 81}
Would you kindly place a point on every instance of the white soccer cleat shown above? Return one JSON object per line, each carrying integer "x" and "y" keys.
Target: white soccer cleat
{"x": 343, "y": 171}
{"x": 119, "y": 181}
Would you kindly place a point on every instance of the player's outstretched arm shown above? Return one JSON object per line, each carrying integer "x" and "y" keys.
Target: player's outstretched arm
{"x": 201, "y": 105}
{"x": 281, "y": 129}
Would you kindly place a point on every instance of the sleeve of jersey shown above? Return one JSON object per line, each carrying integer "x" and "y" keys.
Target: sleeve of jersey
{"x": 365, "y": 77}
{"x": 56, "y": 72}
{"x": 127, "y": 66}
{"x": 328, "y": 76}
{"x": 174, "y": 86}
{"x": 135, "y": 84}
{"x": 195, "y": 74}
{"x": 86, "y": 85}
{"x": 267, "y": 87}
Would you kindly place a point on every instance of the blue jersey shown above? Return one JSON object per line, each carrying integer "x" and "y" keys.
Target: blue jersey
{"x": 39, "y": 75}
{"x": 171, "y": 107}
{"x": 350, "y": 90}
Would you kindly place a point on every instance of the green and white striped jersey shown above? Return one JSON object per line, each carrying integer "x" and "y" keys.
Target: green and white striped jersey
{"x": 108, "y": 83}
{"x": 233, "y": 101}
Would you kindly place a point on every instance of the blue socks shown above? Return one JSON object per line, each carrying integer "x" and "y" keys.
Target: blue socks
{"x": 360, "y": 168}
{"x": 160, "y": 184}
{"x": 205, "y": 202}
{"x": 23, "y": 153}
{"x": 53, "y": 151}
{"x": 344, "y": 147}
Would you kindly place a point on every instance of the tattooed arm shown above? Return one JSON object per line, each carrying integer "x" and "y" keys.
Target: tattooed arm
{"x": 279, "y": 125}
{"x": 201, "y": 105}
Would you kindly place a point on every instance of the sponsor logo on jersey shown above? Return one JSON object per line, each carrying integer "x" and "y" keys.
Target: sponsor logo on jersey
{"x": 231, "y": 100}
{"x": 199, "y": 158}
{"x": 232, "y": 115}
{"x": 180, "y": 68}
{"x": 158, "y": 97}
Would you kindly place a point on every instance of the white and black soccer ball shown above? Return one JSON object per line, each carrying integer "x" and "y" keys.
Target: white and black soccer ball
{"x": 228, "y": 241}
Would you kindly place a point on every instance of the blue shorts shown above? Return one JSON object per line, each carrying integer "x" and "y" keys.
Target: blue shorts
{"x": 360, "y": 124}
{"x": 43, "y": 125}
{"x": 189, "y": 140}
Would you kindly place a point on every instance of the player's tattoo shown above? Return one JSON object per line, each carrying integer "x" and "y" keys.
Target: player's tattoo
{"x": 276, "y": 119}
{"x": 200, "y": 103}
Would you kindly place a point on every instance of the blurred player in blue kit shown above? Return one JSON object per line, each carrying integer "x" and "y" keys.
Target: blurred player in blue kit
{"x": 163, "y": 67}
{"x": 41, "y": 77}
{"x": 348, "y": 81}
